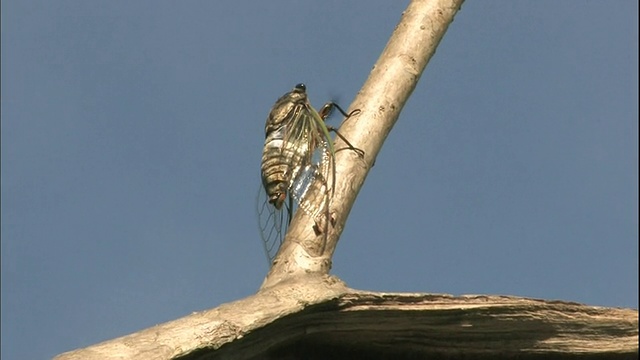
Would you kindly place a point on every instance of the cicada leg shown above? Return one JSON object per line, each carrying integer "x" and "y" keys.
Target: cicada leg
{"x": 325, "y": 111}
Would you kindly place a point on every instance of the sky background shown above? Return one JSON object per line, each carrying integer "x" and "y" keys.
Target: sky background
{"x": 132, "y": 135}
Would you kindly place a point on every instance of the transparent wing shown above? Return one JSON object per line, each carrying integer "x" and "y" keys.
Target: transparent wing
{"x": 273, "y": 223}
{"x": 312, "y": 188}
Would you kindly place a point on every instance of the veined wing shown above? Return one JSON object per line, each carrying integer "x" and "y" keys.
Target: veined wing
{"x": 314, "y": 183}
{"x": 313, "y": 175}
{"x": 272, "y": 222}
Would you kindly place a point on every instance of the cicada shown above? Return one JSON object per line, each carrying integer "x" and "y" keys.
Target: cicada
{"x": 298, "y": 166}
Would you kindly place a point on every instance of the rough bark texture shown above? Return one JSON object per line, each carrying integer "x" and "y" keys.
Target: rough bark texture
{"x": 318, "y": 317}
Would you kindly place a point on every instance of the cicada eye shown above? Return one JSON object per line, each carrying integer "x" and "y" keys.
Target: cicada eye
{"x": 300, "y": 87}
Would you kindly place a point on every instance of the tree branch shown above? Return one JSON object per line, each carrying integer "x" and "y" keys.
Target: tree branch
{"x": 320, "y": 318}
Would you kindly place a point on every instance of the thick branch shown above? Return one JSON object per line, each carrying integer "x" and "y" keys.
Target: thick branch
{"x": 319, "y": 317}
{"x": 380, "y": 100}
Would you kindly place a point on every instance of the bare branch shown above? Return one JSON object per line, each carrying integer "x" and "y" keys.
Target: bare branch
{"x": 320, "y": 318}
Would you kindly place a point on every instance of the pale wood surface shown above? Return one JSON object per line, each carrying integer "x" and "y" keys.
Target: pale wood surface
{"x": 317, "y": 316}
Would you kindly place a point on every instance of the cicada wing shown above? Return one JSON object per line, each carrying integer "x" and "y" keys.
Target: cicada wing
{"x": 312, "y": 187}
{"x": 273, "y": 223}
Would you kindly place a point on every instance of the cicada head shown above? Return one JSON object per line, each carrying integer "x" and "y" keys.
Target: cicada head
{"x": 286, "y": 108}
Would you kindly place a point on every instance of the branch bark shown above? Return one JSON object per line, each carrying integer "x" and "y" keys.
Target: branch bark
{"x": 324, "y": 319}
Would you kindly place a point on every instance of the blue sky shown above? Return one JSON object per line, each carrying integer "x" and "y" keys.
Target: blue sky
{"x": 132, "y": 135}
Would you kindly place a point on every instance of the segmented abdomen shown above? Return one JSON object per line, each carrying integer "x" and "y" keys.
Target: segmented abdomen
{"x": 281, "y": 163}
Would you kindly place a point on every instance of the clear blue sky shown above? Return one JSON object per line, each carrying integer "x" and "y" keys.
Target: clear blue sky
{"x": 132, "y": 135}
